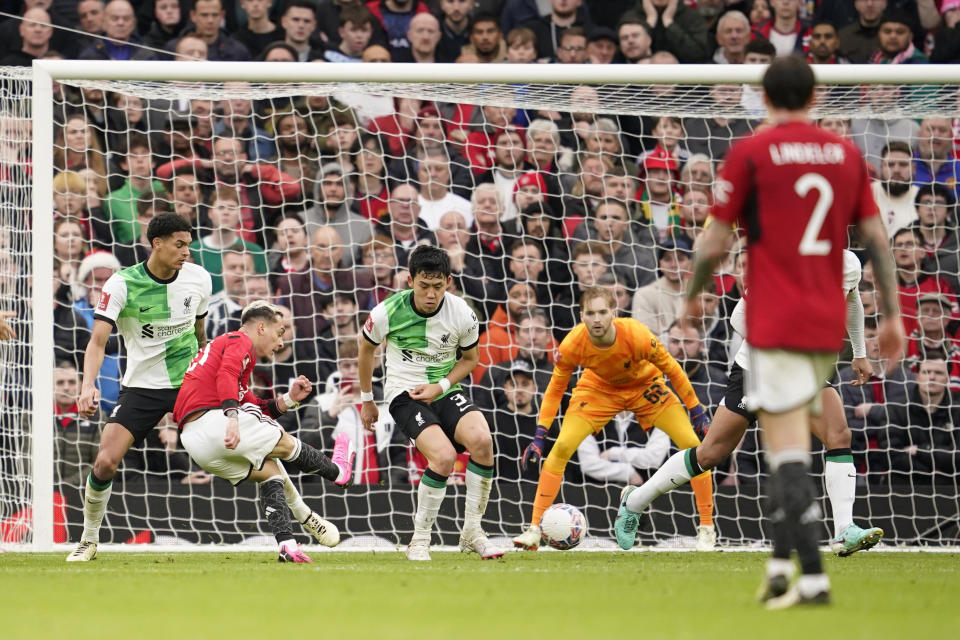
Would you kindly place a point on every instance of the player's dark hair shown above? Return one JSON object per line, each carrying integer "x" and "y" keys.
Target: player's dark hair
{"x": 165, "y": 225}
{"x": 788, "y": 83}
{"x": 762, "y": 46}
{"x": 429, "y": 261}
{"x": 262, "y": 311}
{"x": 896, "y": 145}
{"x": 598, "y": 292}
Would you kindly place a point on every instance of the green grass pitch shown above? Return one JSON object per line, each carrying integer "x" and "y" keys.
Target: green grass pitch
{"x": 181, "y": 596}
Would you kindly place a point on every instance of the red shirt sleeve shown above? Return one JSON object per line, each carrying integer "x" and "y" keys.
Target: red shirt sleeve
{"x": 733, "y": 186}
{"x": 276, "y": 187}
{"x": 237, "y": 356}
{"x": 166, "y": 170}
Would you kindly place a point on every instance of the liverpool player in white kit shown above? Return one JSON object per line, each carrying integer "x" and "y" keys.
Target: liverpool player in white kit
{"x": 158, "y": 306}
{"x": 232, "y": 433}
{"x": 424, "y": 328}
{"x": 794, "y": 189}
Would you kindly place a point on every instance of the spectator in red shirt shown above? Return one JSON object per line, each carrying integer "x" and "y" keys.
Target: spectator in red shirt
{"x": 78, "y": 437}
{"x": 912, "y": 280}
{"x": 932, "y": 336}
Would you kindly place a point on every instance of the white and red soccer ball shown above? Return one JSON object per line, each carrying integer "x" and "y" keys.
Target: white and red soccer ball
{"x": 563, "y": 526}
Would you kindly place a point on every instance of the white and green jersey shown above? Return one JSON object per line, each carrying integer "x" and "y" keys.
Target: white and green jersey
{"x": 156, "y": 320}
{"x": 421, "y": 348}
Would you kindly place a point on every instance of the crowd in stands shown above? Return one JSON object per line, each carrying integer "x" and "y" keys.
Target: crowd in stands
{"x": 316, "y": 202}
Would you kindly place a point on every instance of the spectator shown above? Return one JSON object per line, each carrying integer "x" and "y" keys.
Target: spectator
{"x": 635, "y": 40}
{"x": 659, "y": 303}
{"x": 509, "y": 155}
{"x": 379, "y": 260}
{"x": 590, "y": 260}
{"x": 454, "y": 33}
{"x": 207, "y": 16}
{"x": 932, "y": 336}
{"x": 259, "y": 30}
{"x": 572, "y": 48}
{"x": 934, "y": 159}
{"x": 824, "y": 43}
{"x": 78, "y": 437}
{"x": 77, "y": 147}
{"x": 625, "y": 448}
{"x": 658, "y": 201}
{"x": 713, "y": 136}
{"x": 280, "y": 52}
{"x": 547, "y": 28}
{"x": 190, "y": 47}
{"x": 356, "y": 31}
{"x": 676, "y": 28}
{"x": 936, "y": 212}
{"x": 547, "y": 155}
{"x": 859, "y": 39}
{"x": 237, "y": 121}
{"x": 480, "y": 148}
{"x": 395, "y": 17}
{"x": 119, "y": 24}
{"x": 913, "y": 281}
{"x": 514, "y": 420}
{"x": 299, "y": 19}
{"x": 946, "y": 47}
{"x": 896, "y": 41}
{"x": 377, "y": 462}
{"x": 733, "y": 34}
{"x": 918, "y": 441}
{"x": 370, "y": 189}
{"x": 35, "y": 33}
{"x": 485, "y": 249}
{"x": 424, "y": 38}
{"x": 499, "y": 341}
{"x": 785, "y": 31}
{"x": 70, "y": 201}
{"x": 307, "y": 294}
{"x": 623, "y": 297}
{"x": 686, "y": 346}
{"x": 872, "y": 134}
{"x": 289, "y": 253}
{"x": 486, "y": 40}
{"x": 895, "y": 192}
{"x": 601, "y": 45}
{"x": 92, "y": 274}
{"x": 697, "y": 174}
{"x": 166, "y": 24}
{"x": 331, "y": 209}
{"x": 375, "y": 53}
{"x": 225, "y": 219}
{"x": 148, "y": 205}
{"x": 298, "y": 155}
{"x": 521, "y": 46}
{"x": 120, "y": 206}
{"x": 90, "y": 14}
{"x": 436, "y": 198}
{"x": 429, "y": 133}
{"x": 226, "y": 305}
{"x": 535, "y": 348}
{"x": 69, "y": 243}
{"x": 342, "y": 326}
{"x": 188, "y": 199}
{"x": 758, "y": 51}
{"x": 402, "y": 222}
{"x": 633, "y": 262}
{"x": 540, "y": 226}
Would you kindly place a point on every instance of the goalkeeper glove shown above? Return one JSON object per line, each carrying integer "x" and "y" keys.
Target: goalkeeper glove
{"x": 701, "y": 420}
{"x": 534, "y": 451}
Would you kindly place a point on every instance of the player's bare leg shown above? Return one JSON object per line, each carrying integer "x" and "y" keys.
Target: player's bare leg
{"x": 323, "y": 531}
{"x": 840, "y": 477}
{"x": 573, "y": 430}
{"x": 115, "y": 441}
{"x": 473, "y": 433}
{"x": 441, "y": 456}
{"x": 793, "y": 512}
{"x": 271, "y": 480}
{"x": 725, "y": 432}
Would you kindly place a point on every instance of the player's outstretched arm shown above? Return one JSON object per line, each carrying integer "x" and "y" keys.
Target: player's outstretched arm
{"x": 92, "y": 359}
{"x": 891, "y": 336}
{"x": 860, "y": 365}
{"x": 468, "y": 361}
{"x": 368, "y": 408}
{"x": 714, "y": 244}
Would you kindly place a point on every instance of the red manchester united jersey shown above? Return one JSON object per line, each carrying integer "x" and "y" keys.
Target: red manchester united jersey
{"x": 794, "y": 188}
{"x": 218, "y": 377}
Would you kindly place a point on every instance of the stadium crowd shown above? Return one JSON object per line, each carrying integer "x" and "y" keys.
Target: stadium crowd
{"x": 315, "y": 203}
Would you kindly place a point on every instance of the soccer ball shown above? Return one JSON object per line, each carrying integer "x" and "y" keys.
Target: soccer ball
{"x": 563, "y": 526}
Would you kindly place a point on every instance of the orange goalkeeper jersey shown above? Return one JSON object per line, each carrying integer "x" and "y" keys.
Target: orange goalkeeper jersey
{"x": 635, "y": 360}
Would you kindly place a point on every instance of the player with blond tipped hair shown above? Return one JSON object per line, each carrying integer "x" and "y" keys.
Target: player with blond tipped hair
{"x": 625, "y": 367}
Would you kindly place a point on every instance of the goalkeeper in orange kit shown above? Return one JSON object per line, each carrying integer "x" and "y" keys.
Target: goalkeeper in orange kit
{"x": 624, "y": 367}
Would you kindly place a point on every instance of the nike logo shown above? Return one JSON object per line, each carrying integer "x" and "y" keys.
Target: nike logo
{"x": 144, "y": 309}
{"x": 851, "y": 475}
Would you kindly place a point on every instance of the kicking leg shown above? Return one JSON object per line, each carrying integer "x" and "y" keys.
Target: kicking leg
{"x": 573, "y": 430}
{"x": 474, "y": 434}
{"x": 115, "y": 441}
{"x": 840, "y": 475}
{"x": 324, "y": 531}
{"x": 273, "y": 503}
{"x": 305, "y": 458}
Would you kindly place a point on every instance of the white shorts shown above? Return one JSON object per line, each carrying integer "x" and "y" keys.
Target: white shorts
{"x": 780, "y": 380}
{"x": 203, "y": 440}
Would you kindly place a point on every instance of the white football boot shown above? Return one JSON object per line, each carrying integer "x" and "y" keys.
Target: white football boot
{"x": 477, "y": 541}
{"x": 85, "y": 552}
{"x": 706, "y": 538}
{"x": 419, "y": 550}
{"x": 324, "y": 531}
{"x": 529, "y": 540}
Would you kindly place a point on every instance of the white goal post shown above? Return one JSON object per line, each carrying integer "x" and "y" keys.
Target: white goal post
{"x": 633, "y": 89}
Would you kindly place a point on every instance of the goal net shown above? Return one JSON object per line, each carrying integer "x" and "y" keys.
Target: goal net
{"x": 309, "y": 189}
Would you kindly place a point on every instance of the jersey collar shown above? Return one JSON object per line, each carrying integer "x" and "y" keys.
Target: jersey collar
{"x": 421, "y": 313}
{"x": 159, "y": 280}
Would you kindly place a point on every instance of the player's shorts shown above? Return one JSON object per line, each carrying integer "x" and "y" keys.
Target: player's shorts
{"x": 598, "y": 407}
{"x": 203, "y": 440}
{"x": 733, "y": 395}
{"x": 139, "y": 410}
{"x": 413, "y": 416}
{"x": 780, "y": 380}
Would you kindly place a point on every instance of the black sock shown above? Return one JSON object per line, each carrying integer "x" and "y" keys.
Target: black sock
{"x": 780, "y": 529}
{"x": 801, "y": 513}
{"x": 311, "y": 460}
{"x": 275, "y": 509}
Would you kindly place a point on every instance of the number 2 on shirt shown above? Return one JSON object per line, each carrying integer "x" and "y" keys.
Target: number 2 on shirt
{"x": 809, "y": 245}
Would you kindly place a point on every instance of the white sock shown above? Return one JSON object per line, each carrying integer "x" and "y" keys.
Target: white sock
{"x": 780, "y": 567}
{"x": 292, "y": 497}
{"x": 478, "y": 492}
{"x": 428, "y": 504}
{"x": 671, "y": 474}
{"x": 841, "y": 481}
{"x": 94, "y": 506}
{"x": 811, "y": 584}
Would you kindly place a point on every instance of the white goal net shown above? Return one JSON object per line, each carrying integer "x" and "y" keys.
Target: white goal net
{"x": 312, "y": 193}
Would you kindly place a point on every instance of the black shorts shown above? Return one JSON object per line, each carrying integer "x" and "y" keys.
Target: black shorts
{"x": 139, "y": 410}
{"x": 412, "y": 416}
{"x": 733, "y": 397}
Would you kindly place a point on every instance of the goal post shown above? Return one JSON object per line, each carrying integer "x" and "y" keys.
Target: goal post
{"x": 636, "y": 90}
